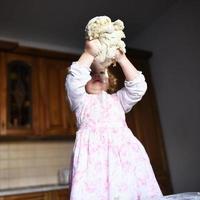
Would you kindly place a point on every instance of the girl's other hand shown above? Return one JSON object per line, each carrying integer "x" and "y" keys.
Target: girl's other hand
{"x": 119, "y": 55}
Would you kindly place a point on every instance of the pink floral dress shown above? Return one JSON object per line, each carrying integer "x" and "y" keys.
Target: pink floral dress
{"x": 108, "y": 162}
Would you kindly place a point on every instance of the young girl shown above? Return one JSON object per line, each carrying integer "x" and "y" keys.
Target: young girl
{"x": 109, "y": 162}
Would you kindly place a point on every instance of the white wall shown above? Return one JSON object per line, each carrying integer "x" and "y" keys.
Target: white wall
{"x": 24, "y": 164}
{"x": 174, "y": 40}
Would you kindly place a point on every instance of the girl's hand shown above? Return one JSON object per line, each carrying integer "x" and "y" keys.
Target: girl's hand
{"x": 119, "y": 56}
{"x": 92, "y": 47}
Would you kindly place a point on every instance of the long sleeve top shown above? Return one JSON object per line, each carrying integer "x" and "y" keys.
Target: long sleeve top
{"x": 78, "y": 76}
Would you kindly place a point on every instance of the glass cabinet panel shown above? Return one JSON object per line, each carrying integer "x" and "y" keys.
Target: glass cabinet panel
{"x": 19, "y": 95}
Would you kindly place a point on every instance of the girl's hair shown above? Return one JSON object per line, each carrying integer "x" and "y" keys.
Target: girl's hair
{"x": 112, "y": 82}
{"x": 111, "y": 78}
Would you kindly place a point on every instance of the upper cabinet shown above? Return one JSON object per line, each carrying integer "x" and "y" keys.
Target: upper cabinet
{"x": 56, "y": 116}
{"x": 33, "y": 99}
{"x": 18, "y": 92}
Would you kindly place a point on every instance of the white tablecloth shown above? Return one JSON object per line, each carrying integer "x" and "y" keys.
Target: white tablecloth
{"x": 183, "y": 196}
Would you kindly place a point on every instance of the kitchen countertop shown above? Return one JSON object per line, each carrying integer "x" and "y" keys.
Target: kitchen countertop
{"x": 32, "y": 189}
{"x": 46, "y": 188}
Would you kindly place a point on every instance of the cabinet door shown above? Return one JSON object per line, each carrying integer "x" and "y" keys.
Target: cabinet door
{"x": 60, "y": 195}
{"x": 18, "y": 94}
{"x": 56, "y": 116}
{"x": 63, "y": 195}
{"x": 30, "y": 196}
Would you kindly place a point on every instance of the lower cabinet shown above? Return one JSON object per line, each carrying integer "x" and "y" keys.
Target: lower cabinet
{"x": 30, "y": 196}
{"x": 60, "y": 195}
{"x": 52, "y": 195}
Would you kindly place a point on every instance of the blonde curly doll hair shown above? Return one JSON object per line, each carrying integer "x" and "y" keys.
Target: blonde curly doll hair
{"x": 110, "y": 36}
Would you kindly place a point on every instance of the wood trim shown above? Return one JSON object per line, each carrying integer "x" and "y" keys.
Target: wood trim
{"x": 36, "y": 138}
{"x": 15, "y": 47}
{"x": 8, "y": 46}
{"x": 46, "y": 53}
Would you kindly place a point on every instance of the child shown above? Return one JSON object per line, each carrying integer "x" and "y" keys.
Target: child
{"x": 109, "y": 162}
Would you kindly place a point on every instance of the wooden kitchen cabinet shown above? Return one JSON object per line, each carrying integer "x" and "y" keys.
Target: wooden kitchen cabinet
{"x": 56, "y": 116}
{"x": 33, "y": 99}
{"x": 19, "y": 95}
{"x": 51, "y": 195}
{"x": 30, "y": 196}
{"x": 60, "y": 195}
{"x": 63, "y": 195}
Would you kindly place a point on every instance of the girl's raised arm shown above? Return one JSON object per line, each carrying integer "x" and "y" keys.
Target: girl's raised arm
{"x": 134, "y": 86}
{"x": 79, "y": 75}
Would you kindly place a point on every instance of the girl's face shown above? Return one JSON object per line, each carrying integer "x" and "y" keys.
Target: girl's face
{"x": 98, "y": 83}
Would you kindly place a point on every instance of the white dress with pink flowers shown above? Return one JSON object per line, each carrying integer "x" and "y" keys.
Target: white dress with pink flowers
{"x": 109, "y": 162}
